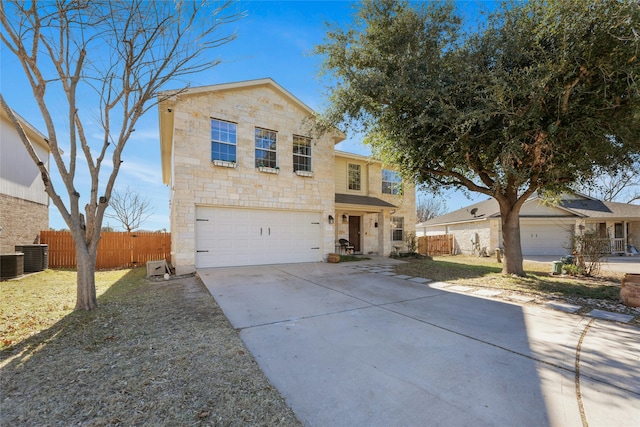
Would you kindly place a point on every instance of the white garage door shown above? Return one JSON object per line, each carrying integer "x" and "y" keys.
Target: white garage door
{"x": 235, "y": 237}
{"x": 545, "y": 239}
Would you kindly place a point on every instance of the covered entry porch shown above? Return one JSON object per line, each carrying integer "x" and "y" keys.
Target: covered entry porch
{"x": 619, "y": 237}
{"x": 365, "y": 222}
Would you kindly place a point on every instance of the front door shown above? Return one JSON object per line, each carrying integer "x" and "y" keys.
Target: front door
{"x": 354, "y": 232}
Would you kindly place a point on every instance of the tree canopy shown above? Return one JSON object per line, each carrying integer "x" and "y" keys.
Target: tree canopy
{"x": 540, "y": 96}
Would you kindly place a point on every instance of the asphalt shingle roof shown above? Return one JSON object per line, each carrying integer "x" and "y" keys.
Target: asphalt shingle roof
{"x": 588, "y": 208}
{"x": 350, "y": 199}
{"x": 601, "y": 209}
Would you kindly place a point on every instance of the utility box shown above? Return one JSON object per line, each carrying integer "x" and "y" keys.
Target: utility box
{"x": 157, "y": 268}
{"x": 556, "y": 267}
{"x": 11, "y": 265}
{"x": 36, "y": 257}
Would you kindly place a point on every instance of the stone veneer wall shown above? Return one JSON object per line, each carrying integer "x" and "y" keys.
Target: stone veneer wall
{"x": 375, "y": 240}
{"x": 198, "y": 182}
{"x": 21, "y": 222}
{"x": 464, "y": 233}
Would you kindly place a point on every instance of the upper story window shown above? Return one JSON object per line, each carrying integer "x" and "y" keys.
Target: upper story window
{"x": 391, "y": 182}
{"x": 397, "y": 228}
{"x": 223, "y": 140}
{"x": 266, "y": 148}
{"x": 301, "y": 153}
{"x": 354, "y": 177}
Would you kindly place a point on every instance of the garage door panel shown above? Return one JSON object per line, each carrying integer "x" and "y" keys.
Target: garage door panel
{"x": 545, "y": 239}
{"x": 232, "y": 236}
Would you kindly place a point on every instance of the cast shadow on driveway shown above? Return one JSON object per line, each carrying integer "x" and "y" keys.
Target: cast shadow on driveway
{"x": 347, "y": 347}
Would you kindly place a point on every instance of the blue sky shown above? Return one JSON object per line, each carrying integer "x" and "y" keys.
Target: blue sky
{"x": 275, "y": 40}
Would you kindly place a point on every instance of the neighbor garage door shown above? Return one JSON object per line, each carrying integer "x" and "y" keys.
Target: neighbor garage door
{"x": 234, "y": 237}
{"x": 545, "y": 239}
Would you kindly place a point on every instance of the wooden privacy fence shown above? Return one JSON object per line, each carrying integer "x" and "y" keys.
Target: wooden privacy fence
{"x": 436, "y": 245}
{"x": 115, "y": 250}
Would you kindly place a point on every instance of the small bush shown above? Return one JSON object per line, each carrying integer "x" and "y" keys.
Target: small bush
{"x": 412, "y": 242}
{"x": 572, "y": 270}
{"x": 589, "y": 249}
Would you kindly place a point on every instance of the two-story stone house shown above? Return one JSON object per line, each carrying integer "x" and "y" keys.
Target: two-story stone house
{"x": 250, "y": 184}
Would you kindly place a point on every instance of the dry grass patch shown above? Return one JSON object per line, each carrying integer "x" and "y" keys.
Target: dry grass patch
{"x": 154, "y": 353}
{"x": 589, "y": 292}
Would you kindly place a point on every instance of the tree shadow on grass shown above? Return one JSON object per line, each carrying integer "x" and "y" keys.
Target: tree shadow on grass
{"x": 491, "y": 276}
{"x": 153, "y": 353}
{"x": 443, "y": 271}
{"x": 567, "y": 287}
{"x": 74, "y": 321}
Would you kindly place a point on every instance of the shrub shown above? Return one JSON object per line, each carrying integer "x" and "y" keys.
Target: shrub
{"x": 589, "y": 249}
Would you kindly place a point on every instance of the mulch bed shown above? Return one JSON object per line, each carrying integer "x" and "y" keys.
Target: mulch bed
{"x": 163, "y": 354}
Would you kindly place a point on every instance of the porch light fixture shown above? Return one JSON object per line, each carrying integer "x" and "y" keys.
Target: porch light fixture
{"x": 344, "y": 218}
{"x": 331, "y": 220}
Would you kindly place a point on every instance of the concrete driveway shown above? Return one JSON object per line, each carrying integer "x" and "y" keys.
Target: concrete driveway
{"x": 352, "y": 345}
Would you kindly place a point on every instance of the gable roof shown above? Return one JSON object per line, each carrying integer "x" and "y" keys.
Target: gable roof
{"x": 581, "y": 207}
{"x": 481, "y": 211}
{"x": 235, "y": 86}
{"x": 168, "y": 98}
{"x": 34, "y": 134}
{"x": 592, "y": 208}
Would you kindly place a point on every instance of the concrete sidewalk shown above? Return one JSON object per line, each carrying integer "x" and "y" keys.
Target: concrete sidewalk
{"x": 352, "y": 345}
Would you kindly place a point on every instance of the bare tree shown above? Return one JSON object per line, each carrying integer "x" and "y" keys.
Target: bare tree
{"x": 615, "y": 186}
{"x": 114, "y": 56}
{"x": 130, "y": 208}
{"x": 430, "y": 208}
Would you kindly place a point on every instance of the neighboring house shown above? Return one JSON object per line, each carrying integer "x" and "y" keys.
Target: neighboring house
{"x": 24, "y": 205}
{"x": 545, "y": 229}
{"x": 251, "y": 184}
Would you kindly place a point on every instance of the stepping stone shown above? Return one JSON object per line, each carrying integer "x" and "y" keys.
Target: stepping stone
{"x": 388, "y": 273}
{"x": 460, "y": 288}
{"x": 607, "y": 315}
{"x": 567, "y": 308}
{"x": 487, "y": 293}
{"x": 401, "y": 276}
{"x": 521, "y": 298}
{"x": 420, "y": 280}
{"x": 439, "y": 285}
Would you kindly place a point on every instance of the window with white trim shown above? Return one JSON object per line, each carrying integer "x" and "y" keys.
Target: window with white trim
{"x": 266, "y": 148}
{"x": 391, "y": 182}
{"x": 354, "y": 176}
{"x": 223, "y": 140}
{"x": 301, "y": 153}
{"x": 397, "y": 228}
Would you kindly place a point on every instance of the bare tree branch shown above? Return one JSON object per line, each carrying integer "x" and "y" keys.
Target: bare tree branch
{"x": 430, "y": 208}
{"x": 103, "y": 60}
{"x": 621, "y": 186}
{"x": 130, "y": 208}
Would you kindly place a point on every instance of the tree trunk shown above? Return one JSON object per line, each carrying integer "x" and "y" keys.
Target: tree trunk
{"x": 86, "y": 280}
{"x": 510, "y": 217}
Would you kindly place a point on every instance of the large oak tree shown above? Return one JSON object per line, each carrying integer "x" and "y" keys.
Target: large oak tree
{"x": 541, "y": 95}
{"x": 101, "y": 64}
